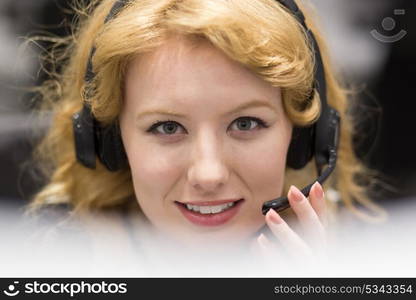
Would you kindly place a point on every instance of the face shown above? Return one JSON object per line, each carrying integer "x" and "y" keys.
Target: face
{"x": 206, "y": 141}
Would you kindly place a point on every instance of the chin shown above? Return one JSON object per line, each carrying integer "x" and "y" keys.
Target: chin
{"x": 213, "y": 238}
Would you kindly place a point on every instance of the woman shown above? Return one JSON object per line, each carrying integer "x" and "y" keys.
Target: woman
{"x": 206, "y": 96}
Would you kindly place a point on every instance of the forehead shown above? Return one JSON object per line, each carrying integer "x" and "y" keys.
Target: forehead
{"x": 186, "y": 70}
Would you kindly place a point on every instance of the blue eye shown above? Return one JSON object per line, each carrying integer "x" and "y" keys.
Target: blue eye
{"x": 249, "y": 123}
{"x": 164, "y": 127}
{"x": 242, "y": 124}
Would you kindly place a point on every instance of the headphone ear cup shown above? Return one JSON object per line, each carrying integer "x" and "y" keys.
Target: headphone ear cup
{"x": 301, "y": 148}
{"x": 83, "y": 129}
{"x": 110, "y": 148}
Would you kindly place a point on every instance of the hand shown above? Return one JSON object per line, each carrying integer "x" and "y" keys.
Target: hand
{"x": 312, "y": 216}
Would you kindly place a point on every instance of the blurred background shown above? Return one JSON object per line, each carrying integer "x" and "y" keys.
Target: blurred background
{"x": 373, "y": 43}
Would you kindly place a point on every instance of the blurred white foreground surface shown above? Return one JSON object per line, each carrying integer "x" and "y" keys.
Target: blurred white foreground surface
{"x": 362, "y": 250}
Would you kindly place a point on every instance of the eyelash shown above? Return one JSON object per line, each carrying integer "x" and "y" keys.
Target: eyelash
{"x": 152, "y": 129}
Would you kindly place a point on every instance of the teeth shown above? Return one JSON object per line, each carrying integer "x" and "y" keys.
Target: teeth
{"x": 216, "y": 209}
{"x": 209, "y": 209}
{"x": 205, "y": 209}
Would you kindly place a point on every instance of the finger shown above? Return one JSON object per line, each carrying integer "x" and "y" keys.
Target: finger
{"x": 308, "y": 218}
{"x": 268, "y": 256}
{"x": 268, "y": 249}
{"x": 317, "y": 200}
{"x": 292, "y": 243}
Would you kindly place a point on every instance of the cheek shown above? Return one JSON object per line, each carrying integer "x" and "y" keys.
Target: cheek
{"x": 151, "y": 167}
{"x": 152, "y": 172}
{"x": 264, "y": 166}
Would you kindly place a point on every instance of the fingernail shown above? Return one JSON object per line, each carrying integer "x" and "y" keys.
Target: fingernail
{"x": 262, "y": 240}
{"x": 274, "y": 217}
{"x": 319, "y": 192}
{"x": 296, "y": 194}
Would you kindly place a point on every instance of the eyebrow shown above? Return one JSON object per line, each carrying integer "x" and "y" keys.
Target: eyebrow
{"x": 251, "y": 104}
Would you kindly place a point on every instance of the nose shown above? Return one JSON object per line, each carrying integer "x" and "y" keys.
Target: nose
{"x": 208, "y": 171}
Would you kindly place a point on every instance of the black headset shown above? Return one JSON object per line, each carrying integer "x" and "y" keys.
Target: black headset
{"x": 320, "y": 139}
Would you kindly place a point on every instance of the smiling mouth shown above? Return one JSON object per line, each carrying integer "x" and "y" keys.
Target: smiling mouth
{"x": 210, "y": 209}
{"x": 209, "y": 215}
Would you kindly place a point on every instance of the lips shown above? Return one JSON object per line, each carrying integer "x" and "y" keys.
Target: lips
{"x": 211, "y": 203}
{"x": 210, "y": 213}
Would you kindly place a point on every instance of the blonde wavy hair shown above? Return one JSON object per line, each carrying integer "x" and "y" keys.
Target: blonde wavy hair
{"x": 262, "y": 35}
